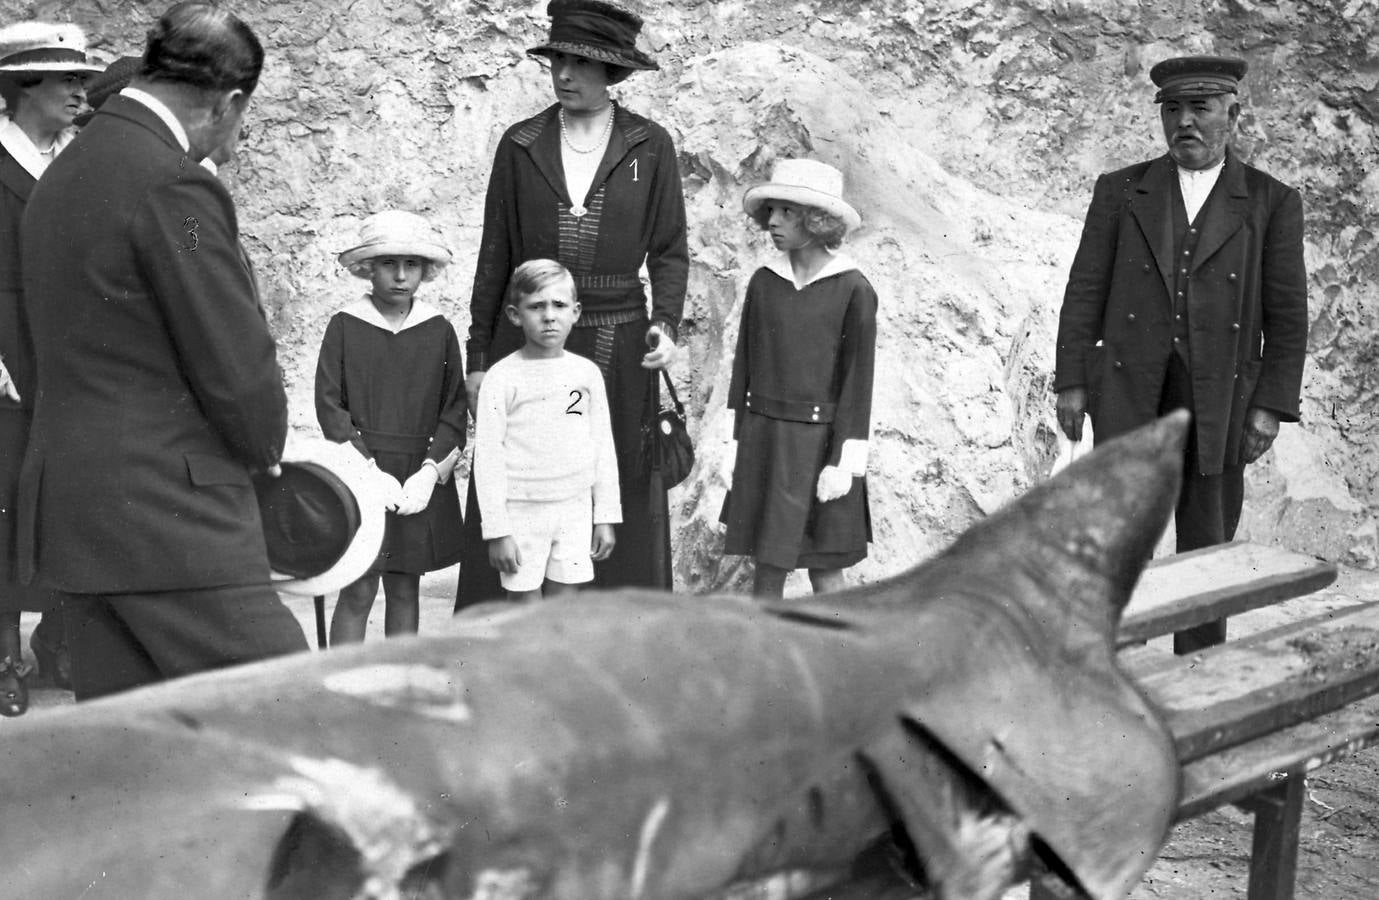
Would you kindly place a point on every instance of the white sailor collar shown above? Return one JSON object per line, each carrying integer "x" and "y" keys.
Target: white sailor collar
{"x": 364, "y": 310}
{"x": 18, "y": 145}
{"x": 836, "y": 265}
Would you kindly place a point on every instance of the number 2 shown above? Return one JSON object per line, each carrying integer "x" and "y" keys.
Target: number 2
{"x": 570, "y": 410}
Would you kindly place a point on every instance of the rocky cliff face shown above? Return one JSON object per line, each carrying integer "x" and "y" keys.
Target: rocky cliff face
{"x": 970, "y": 132}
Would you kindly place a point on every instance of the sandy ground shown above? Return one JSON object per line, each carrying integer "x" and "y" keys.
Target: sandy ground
{"x": 1205, "y": 858}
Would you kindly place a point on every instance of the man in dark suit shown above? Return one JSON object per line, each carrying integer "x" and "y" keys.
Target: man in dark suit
{"x": 1188, "y": 290}
{"x": 158, "y": 387}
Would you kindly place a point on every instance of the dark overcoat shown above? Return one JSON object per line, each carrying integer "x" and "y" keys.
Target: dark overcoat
{"x": 1246, "y": 299}
{"x": 158, "y": 387}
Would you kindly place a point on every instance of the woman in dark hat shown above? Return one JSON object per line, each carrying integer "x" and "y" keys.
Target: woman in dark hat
{"x": 43, "y": 68}
{"x": 597, "y": 187}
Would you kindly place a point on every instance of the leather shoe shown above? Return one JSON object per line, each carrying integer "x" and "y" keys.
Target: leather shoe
{"x": 14, "y": 687}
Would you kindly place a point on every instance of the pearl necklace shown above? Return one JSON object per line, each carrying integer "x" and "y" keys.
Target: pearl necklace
{"x": 603, "y": 138}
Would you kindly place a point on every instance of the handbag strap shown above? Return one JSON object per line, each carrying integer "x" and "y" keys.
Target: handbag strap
{"x": 674, "y": 398}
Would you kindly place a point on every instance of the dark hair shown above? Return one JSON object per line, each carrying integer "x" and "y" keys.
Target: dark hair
{"x": 13, "y": 83}
{"x": 200, "y": 44}
{"x": 823, "y": 226}
{"x": 617, "y": 74}
{"x": 533, "y": 275}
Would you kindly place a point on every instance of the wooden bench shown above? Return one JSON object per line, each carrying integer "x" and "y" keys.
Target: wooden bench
{"x": 1251, "y": 717}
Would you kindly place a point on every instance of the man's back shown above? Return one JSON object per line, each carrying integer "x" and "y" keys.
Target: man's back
{"x": 158, "y": 386}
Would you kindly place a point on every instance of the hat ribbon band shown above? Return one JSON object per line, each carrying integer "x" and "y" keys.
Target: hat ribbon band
{"x": 45, "y": 55}
{"x": 592, "y": 29}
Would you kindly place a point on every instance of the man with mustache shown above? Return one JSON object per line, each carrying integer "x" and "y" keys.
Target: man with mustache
{"x": 1189, "y": 290}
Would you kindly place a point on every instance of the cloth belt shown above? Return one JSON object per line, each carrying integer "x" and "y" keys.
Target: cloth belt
{"x": 597, "y": 318}
{"x": 608, "y": 282}
{"x": 390, "y": 442}
{"x": 820, "y": 413}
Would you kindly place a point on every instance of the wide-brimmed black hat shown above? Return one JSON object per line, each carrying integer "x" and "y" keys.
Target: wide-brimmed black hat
{"x": 596, "y": 30}
{"x": 323, "y": 521}
{"x": 1197, "y": 76}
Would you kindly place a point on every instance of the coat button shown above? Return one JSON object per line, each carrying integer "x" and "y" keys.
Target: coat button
{"x": 1235, "y": 326}
{"x": 1145, "y": 267}
{"x": 1230, "y": 277}
{"x": 1130, "y": 317}
{"x": 1119, "y": 365}
{"x": 815, "y": 417}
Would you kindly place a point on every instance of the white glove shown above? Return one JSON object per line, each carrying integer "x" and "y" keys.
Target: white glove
{"x": 389, "y": 488}
{"x": 416, "y": 493}
{"x": 834, "y": 482}
{"x": 7, "y": 388}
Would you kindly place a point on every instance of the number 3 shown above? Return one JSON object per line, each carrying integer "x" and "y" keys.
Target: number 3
{"x": 570, "y": 410}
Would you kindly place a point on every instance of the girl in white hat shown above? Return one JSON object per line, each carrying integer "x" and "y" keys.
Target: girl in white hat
{"x": 390, "y": 382}
{"x": 42, "y": 70}
{"x": 801, "y": 388}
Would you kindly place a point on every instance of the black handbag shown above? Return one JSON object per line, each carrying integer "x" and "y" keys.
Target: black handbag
{"x": 666, "y": 446}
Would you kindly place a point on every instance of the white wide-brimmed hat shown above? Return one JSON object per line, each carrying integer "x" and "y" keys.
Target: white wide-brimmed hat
{"x": 395, "y": 232}
{"x": 41, "y": 47}
{"x": 323, "y": 518}
{"x": 806, "y": 182}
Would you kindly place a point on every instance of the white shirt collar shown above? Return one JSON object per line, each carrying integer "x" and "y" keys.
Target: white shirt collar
{"x": 160, "y": 109}
{"x": 1196, "y": 185}
{"x": 837, "y": 264}
{"x": 364, "y": 310}
{"x": 18, "y": 145}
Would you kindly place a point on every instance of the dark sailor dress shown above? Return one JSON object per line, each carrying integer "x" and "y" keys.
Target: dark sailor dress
{"x": 399, "y": 398}
{"x": 801, "y": 389}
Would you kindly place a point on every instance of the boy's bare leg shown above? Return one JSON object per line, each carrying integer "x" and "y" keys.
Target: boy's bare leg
{"x": 351, "y": 615}
{"x": 553, "y": 590}
{"x": 826, "y": 581}
{"x": 402, "y": 591}
{"x": 769, "y": 581}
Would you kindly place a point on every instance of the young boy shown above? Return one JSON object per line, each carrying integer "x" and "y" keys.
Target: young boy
{"x": 545, "y": 472}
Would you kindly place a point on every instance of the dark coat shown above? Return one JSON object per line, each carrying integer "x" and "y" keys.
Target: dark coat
{"x": 636, "y": 214}
{"x": 1246, "y": 301}
{"x": 15, "y": 186}
{"x": 158, "y": 381}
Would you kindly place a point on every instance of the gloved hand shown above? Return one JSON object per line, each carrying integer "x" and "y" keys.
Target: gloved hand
{"x": 834, "y": 482}
{"x": 7, "y": 388}
{"x": 416, "y": 493}
{"x": 389, "y": 488}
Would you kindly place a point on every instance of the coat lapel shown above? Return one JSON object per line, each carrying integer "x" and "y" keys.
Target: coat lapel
{"x": 540, "y": 137}
{"x": 15, "y": 178}
{"x": 626, "y": 135}
{"x": 1224, "y": 212}
{"x": 1152, "y": 207}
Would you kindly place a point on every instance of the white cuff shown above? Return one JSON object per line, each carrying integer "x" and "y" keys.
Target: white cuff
{"x": 853, "y": 457}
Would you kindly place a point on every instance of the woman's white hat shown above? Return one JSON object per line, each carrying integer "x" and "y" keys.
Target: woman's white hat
{"x": 395, "y": 232}
{"x": 806, "y": 182}
{"x": 323, "y": 518}
{"x": 44, "y": 47}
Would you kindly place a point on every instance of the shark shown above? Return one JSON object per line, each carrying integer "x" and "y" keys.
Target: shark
{"x": 946, "y": 732}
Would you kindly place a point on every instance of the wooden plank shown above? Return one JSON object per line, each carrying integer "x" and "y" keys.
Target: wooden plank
{"x": 1200, "y": 586}
{"x": 1234, "y": 774}
{"x": 1267, "y": 682}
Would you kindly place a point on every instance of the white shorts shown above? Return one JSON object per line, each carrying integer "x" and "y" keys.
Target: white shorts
{"x": 554, "y": 539}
